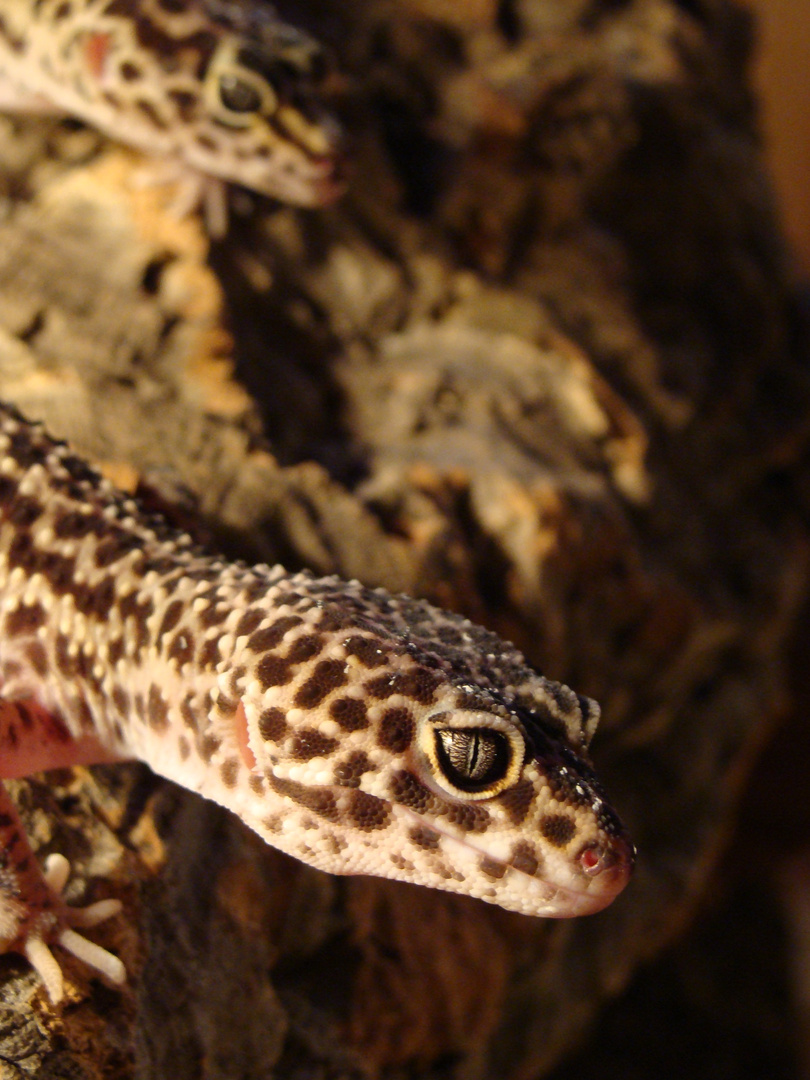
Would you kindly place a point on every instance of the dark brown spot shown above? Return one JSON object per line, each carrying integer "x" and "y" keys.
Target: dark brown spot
{"x": 59, "y": 571}
{"x": 66, "y": 663}
{"x": 256, "y": 784}
{"x": 328, "y": 675}
{"x": 8, "y": 489}
{"x": 557, "y": 829}
{"x": 79, "y": 470}
{"x": 181, "y": 650}
{"x": 24, "y": 511}
{"x": 469, "y": 817}
{"x": 96, "y": 601}
{"x": 272, "y": 670}
{"x": 24, "y": 450}
{"x": 157, "y": 710}
{"x": 37, "y": 657}
{"x": 309, "y": 743}
{"x": 419, "y": 683}
{"x": 320, "y": 801}
{"x": 336, "y": 843}
{"x": 272, "y": 725}
{"x": 139, "y": 611}
{"x": 524, "y": 858}
{"x": 87, "y": 721}
{"x": 21, "y": 553}
{"x": 249, "y": 621}
{"x": 349, "y": 713}
{"x": 73, "y": 524}
{"x": 229, "y": 772}
{"x": 516, "y": 801}
{"x": 367, "y": 650}
{"x": 396, "y": 730}
{"x": 209, "y": 744}
{"x": 304, "y": 648}
{"x": 214, "y": 615}
{"x": 171, "y": 618}
{"x": 120, "y": 700}
{"x": 467, "y": 701}
{"x": 112, "y": 548}
{"x": 25, "y": 620}
{"x": 224, "y": 705}
{"x": 492, "y": 868}
{"x": 334, "y": 620}
{"x": 187, "y": 712}
{"x": 209, "y": 653}
{"x": 425, "y": 837}
{"x": 235, "y": 682}
{"x": 116, "y": 649}
{"x": 348, "y": 772}
{"x": 272, "y": 635}
{"x": 408, "y": 790}
{"x": 206, "y": 142}
{"x": 368, "y": 812}
{"x": 150, "y": 112}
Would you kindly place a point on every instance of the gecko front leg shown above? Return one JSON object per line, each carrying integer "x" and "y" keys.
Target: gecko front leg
{"x": 33, "y": 912}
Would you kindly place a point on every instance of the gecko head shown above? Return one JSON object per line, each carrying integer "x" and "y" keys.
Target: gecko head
{"x": 512, "y": 808}
{"x": 405, "y": 742}
{"x": 263, "y": 125}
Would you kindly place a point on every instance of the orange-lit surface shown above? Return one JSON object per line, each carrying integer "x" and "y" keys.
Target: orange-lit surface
{"x": 783, "y": 82}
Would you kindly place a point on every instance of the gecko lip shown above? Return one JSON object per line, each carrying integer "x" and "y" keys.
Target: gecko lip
{"x": 551, "y": 899}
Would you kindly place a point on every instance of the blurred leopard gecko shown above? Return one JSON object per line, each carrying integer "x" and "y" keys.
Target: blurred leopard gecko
{"x": 220, "y": 90}
{"x": 359, "y": 731}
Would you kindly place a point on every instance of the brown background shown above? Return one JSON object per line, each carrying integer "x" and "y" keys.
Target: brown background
{"x": 783, "y": 82}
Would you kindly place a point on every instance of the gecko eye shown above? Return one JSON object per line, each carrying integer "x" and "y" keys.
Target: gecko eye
{"x": 238, "y": 96}
{"x": 472, "y": 759}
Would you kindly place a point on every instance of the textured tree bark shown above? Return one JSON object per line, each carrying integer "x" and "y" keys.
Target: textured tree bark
{"x": 541, "y": 365}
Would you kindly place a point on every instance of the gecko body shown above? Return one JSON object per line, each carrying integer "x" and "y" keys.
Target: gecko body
{"x": 359, "y": 731}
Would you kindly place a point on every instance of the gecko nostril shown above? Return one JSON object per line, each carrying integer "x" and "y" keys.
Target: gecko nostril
{"x": 591, "y": 860}
{"x": 617, "y": 856}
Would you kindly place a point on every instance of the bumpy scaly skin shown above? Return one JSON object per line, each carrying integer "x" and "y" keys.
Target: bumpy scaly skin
{"x": 361, "y": 732}
{"x": 219, "y": 87}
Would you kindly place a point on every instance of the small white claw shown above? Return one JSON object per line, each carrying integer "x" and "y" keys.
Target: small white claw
{"x": 94, "y": 956}
{"x": 95, "y": 913}
{"x": 46, "y": 966}
{"x": 56, "y": 872}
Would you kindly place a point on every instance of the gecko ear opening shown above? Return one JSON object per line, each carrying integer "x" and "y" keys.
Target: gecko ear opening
{"x": 240, "y": 727}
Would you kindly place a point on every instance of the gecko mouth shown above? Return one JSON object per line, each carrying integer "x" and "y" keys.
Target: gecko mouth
{"x": 515, "y": 889}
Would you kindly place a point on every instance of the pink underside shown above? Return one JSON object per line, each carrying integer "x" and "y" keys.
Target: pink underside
{"x": 32, "y": 740}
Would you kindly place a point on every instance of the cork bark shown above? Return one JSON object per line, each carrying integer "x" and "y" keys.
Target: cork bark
{"x": 543, "y": 365}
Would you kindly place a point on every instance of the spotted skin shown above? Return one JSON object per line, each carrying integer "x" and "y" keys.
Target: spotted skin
{"x": 361, "y": 732}
{"x": 218, "y": 88}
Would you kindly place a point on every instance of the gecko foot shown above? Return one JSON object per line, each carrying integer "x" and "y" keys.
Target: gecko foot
{"x": 57, "y": 927}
